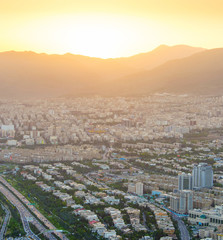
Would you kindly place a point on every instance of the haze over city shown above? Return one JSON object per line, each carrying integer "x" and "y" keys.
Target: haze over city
{"x": 111, "y": 120}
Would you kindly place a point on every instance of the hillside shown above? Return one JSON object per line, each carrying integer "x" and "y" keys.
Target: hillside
{"x": 28, "y": 74}
{"x": 201, "y": 73}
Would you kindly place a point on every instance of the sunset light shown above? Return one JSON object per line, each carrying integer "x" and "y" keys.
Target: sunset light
{"x": 96, "y": 36}
{"x": 108, "y": 29}
{"x": 111, "y": 119}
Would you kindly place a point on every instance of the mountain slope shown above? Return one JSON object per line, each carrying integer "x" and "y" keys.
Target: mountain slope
{"x": 201, "y": 73}
{"x": 159, "y": 56}
{"x": 27, "y": 74}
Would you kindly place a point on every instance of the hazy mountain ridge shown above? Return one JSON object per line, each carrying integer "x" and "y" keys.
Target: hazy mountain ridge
{"x": 201, "y": 73}
{"x": 28, "y": 74}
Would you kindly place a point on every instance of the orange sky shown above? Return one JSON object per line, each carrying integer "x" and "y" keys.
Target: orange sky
{"x": 108, "y": 28}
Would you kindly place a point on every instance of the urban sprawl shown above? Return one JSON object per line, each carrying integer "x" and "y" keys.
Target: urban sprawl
{"x": 112, "y": 168}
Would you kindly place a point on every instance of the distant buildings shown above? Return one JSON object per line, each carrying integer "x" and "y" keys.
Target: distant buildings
{"x": 182, "y": 202}
{"x": 164, "y": 222}
{"x": 202, "y": 176}
{"x": 174, "y": 203}
{"x": 185, "y": 181}
{"x": 139, "y": 188}
{"x": 186, "y": 201}
{"x": 136, "y": 188}
{"x": 212, "y": 217}
{"x": 7, "y": 131}
{"x": 131, "y": 188}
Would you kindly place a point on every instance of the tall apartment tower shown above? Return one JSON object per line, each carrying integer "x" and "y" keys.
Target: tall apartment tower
{"x": 139, "y": 188}
{"x": 202, "y": 176}
{"x": 174, "y": 203}
{"x": 182, "y": 202}
{"x": 131, "y": 188}
{"x": 185, "y": 181}
{"x": 186, "y": 201}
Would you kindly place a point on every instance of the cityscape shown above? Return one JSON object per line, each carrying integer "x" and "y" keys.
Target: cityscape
{"x": 150, "y": 168}
{"x": 111, "y": 120}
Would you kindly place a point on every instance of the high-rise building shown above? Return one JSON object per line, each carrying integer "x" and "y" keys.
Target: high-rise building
{"x": 131, "y": 188}
{"x": 136, "y": 188}
{"x": 139, "y": 188}
{"x": 202, "y": 176}
{"x": 174, "y": 203}
{"x": 186, "y": 201}
{"x": 185, "y": 181}
{"x": 182, "y": 202}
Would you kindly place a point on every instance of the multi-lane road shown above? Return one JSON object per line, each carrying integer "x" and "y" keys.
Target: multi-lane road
{"x": 18, "y": 200}
{"x": 5, "y": 222}
{"x": 24, "y": 213}
{"x": 184, "y": 234}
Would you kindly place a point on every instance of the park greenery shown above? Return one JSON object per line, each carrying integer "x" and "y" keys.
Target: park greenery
{"x": 15, "y": 227}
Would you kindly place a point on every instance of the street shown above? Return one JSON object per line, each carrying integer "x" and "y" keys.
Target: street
{"x": 26, "y": 216}
{"x": 5, "y": 222}
{"x": 182, "y": 228}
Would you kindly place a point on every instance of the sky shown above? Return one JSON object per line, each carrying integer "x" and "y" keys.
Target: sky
{"x": 108, "y": 28}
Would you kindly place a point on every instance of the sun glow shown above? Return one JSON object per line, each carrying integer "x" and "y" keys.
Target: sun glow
{"x": 95, "y": 36}
{"x": 108, "y": 28}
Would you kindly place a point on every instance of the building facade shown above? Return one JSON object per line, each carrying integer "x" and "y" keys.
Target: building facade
{"x": 212, "y": 217}
{"x": 139, "y": 188}
{"x": 185, "y": 181}
{"x": 202, "y": 176}
{"x": 182, "y": 202}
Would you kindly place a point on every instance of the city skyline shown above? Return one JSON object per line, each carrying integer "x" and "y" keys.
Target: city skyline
{"x": 111, "y": 124}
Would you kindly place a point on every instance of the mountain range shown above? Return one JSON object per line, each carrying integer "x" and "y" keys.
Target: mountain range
{"x": 177, "y": 69}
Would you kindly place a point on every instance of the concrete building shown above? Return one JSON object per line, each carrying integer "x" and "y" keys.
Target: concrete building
{"x": 182, "y": 202}
{"x": 186, "y": 201}
{"x": 202, "y": 176}
{"x": 136, "y": 188}
{"x": 174, "y": 203}
{"x": 212, "y": 217}
{"x": 139, "y": 188}
{"x": 131, "y": 188}
{"x": 185, "y": 181}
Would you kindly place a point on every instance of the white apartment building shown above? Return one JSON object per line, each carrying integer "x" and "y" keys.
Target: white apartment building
{"x": 139, "y": 188}
{"x": 202, "y": 176}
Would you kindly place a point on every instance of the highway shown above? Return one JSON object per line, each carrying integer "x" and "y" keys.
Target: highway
{"x": 26, "y": 216}
{"x": 5, "y": 222}
{"x": 184, "y": 234}
{"x": 24, "y": 213}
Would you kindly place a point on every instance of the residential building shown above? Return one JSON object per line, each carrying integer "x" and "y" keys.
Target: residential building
{"x": 182, "y": 202}
{"x": 139, "y": 188}
{"x": 185, "y": 181}
{"x": 202, "y": 176}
